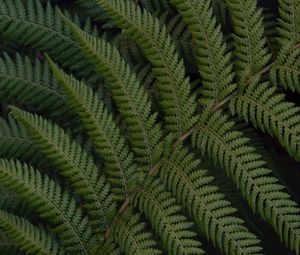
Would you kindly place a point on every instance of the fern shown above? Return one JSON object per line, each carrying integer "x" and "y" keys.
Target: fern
{"x": 262, "y": 191}
{"x": 45, "y": 195}
{"x": 132, "y": 106}
{"x": 73, "y": 163}
{"x": 212, "y": 58}
{"x": 33, "y": 240}
{"x": 259, "y": 102}
{"x": 129, "y": 96}
{"x": 104, "y": 133}
{"x": 178, "y": 104}
{"x": 164, "y": 214}
{"x": 31, "y": 85}
{"x": 212, "y": 213}
{"x": 32, "y": 24}
{"x": 132, "y": 236}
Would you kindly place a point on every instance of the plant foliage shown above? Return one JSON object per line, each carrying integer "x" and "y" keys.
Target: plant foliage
{"x": 141, "y": 127}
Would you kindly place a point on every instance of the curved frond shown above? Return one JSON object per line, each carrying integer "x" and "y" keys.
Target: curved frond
{"x": 250, "y": 44}
{"x": 285, "y": 72}
{"x": 262, "y": 191}
{"x": 130, "y": 97}
{"x": 32, "y": 24}
{"x": 176, "y": 100}
{"x": 75, "y": 164}
{"x": 29, "y": 238}
{"x": 213, "y": 215}
{"x": 15, "y": 143}
{"x": 259, "y": 102}
{"x": 132, "y": 237}
{"x": 46, "y": 197}
{"x": 30, "y": 85}
{"x": 166, "y": 218}
{"x": 289, "y": 21}
{"x": 211, "y": 50}
{"x": 103, "y": 131}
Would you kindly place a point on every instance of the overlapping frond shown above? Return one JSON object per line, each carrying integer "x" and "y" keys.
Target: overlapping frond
{"x": 109, "y": 247}
{"x": 130, "y": 97}
{"x": 29, "y": 238}
{"x": 259, "y": 102}
{"x": 212, "y": 57}
{"x": 285, "y": 72}
{"x": 133, "y": 238}
{"x": 175, "y": 231}
{"x": 30, "y": 85}
{"x": 15, "y": 143}
{"x": 212, "y": 213}
{"x": 250, "y": 44}
{"x": 110, "y": 145}
{"x": 75, "y": 164}
{"x": 41, "y": 27}
{"x": 176, "y": 100}
{"x": 262, "y": 191}
{"x": 47, "y": 198}
{"x": 289, "y": 21}
{"x": 8, "y": 247}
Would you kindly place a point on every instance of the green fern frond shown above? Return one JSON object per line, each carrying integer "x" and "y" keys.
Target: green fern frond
{"x": 269, "y": 111}
{"x": 212, "y": 213}
{"x": 165, "y": 216}
{"x": 15, "y": 143}
{"x": 29, "y": 238}
{"x": 211, "y": 50}
{"x": 262, "y": 191}
{"x": 108, "y": 248}
{"x": 130, "y": 97}
{"x": 131, "y": 235}
{"x": 177, "y": 102}
{"x": 41, "y": 27}
{"x": 103, "y": 131}
{"x": 30, "y": 85}
{"x": 75, "y": 164}
{"x": 286, "y": 70}
{"x": 258, "y": 102}
{"x": 289, "y": 21}
{"x": 7, "y": 247}
{"x": 46, "y": 197}
{"x": 250, "y": 44}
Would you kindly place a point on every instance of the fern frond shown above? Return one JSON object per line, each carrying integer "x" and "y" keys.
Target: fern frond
{"x": 165, "y": 216}
{"x": 30, "y": 85}
{"x": 177, "y": 102}
{"x": 262, "y": 191}
{"x": 258, "y": 102}
{"x": 103, "y": 131}
{"x": 270, "y": 111}
{"x": 75, "y": 164}
{"x": 130, "y": 97}
{"x": 108, "y": 248}
{"x": 29, "y": 238}
{"x": 46, "y": 197}
{"x": 289, "y": 21}
{"x": 250, "y": 44}
{"x": 212, "y": 57}
{"x": 286, "y": 70}
{"x": 41, "y": 27}
{"x": 15, "y": 143}
{"x": 7, "y": 247}
{"x": 211, "y": 212}
{"x": 132, "y": 237}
